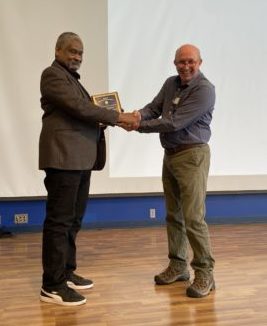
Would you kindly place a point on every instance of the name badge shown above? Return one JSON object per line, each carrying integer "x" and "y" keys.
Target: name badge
{"x": 176, "y": 100}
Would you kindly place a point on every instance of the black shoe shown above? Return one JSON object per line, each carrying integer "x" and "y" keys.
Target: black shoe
{"x": 5, "y": 233}
{"x": 77, "y": 282}
{"x": 171, "y": 275}
{"x": 63, "y": 296}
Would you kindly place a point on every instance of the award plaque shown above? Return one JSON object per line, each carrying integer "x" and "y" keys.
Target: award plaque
{"x": 109, "y": 101}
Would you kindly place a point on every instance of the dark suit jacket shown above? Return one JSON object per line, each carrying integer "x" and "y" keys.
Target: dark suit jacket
{"x": 70, "y": 123}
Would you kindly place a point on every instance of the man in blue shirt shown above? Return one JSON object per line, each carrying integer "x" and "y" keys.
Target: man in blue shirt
{"x": 181, "y": 113}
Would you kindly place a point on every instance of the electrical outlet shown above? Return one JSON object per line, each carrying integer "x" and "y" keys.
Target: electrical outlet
{"x": 152, "y": 212}
{"x": 21, "y": 218}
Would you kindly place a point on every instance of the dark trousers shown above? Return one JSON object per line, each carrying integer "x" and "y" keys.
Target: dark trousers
{"x": 67, "y": 194}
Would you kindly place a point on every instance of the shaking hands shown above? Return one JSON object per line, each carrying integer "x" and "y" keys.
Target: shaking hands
{"x": 129, "y": 121}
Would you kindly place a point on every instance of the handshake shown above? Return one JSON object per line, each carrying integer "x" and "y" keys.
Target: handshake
{"x": 129, "y": 121}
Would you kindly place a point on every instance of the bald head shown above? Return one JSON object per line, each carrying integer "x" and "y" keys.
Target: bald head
{"x": 187, "y": 61}
{"x": 188, "y": 49}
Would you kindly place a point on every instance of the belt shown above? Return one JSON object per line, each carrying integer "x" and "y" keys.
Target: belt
{"x": 181, "y": 147}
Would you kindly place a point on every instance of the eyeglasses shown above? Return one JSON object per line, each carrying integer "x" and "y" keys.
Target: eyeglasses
{"x": 183, "y": 63}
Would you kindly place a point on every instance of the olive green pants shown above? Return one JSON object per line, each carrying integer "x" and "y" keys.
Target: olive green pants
{"x": 184, "y": 178}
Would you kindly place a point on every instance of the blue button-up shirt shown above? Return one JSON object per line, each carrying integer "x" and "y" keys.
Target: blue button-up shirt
{"x": 180, "y": 113}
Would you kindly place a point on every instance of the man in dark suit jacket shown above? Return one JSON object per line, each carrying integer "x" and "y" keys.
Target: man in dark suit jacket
{"x": 67, "y": 153}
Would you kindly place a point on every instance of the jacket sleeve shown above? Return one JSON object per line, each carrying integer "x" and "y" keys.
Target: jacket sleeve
{"x": 60, "y": 92}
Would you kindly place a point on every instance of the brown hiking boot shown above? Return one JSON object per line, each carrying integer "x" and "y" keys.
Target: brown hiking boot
{"x": 201, "y": 286}
{"x": 171, "y": 275}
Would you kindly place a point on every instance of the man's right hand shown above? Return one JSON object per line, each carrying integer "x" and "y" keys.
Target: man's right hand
{"x": 130, "y": 121}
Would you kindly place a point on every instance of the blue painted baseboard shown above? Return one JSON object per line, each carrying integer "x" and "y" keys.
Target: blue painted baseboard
{"x": 134, "y": 211}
